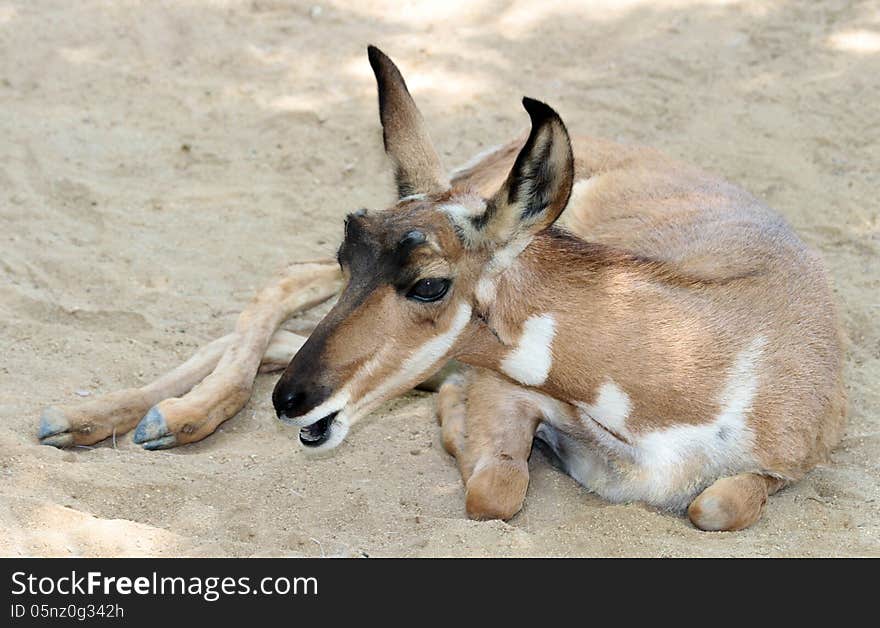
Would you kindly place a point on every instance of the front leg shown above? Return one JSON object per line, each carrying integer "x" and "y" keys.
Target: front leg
{"x": 92, "y": 421}
{"x": 89, "y": 422}
{"x": 118, "y": 412}
{"x": 488, "y": 425}
{"x": 224, "y": 392}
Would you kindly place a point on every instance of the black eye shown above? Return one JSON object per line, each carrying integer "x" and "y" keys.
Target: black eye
{"x": 430, "y": 289}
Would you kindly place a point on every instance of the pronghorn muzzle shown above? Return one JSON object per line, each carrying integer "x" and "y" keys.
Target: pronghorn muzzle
{"x": 305, "y": 408}
{"x": 290, "y": 405}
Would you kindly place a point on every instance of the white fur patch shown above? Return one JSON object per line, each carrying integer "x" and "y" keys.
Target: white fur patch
{"x": 458, "y": 212}
{"x": 334, "y": 404}
{"x": 338, "y": 431}
{"x": 485, "y": 290}
{"x": 461, "y": 212}
{"x": 611, "y": 409}
{"x": 501, "y": 260}
{"x": 668, "y": 467}
{"x": 413, "y": 197}
{"x": 742, "y": 384}
{"x": 529, "y": 363}
{"x": 726, "y": 440}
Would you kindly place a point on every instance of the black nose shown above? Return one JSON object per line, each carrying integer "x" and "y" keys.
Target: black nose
{"x": 290, "y": 403}
{"x": 294, "y": 402}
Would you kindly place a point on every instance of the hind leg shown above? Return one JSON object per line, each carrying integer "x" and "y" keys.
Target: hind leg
{"x": 732, "y": 503}
{"x": 488, "y": 425}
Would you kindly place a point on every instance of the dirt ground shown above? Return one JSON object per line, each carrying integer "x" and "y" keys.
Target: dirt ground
{"x": 160, "y": 160}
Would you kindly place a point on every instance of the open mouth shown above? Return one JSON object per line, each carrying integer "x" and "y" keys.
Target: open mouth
{"x": 317, "y": 433}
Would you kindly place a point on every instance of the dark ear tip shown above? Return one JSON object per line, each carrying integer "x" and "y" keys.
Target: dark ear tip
{"x": 383, "y": 67}
{"x": 374, "y": 55}
{"x": 538, "y": 111}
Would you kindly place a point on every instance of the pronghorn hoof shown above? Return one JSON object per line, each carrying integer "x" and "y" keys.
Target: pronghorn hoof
{"x": 497, "y": 490}
{"x": 54, "y": 428}
{"x": 166, "y": 442}
{"x": 152, "y": 431}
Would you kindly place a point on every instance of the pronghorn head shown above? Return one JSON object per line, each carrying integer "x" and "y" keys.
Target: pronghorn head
{"x": 413, "y": 271}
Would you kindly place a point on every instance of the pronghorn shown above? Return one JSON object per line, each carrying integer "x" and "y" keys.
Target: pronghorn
{"x": 677, "y": 345}
{"x": 660, "y": 333}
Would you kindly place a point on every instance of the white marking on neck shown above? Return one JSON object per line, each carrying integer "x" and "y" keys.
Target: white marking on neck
{"x": 501, "y": 260}
{"x": 413, "y": 197}
{"x": 529, "y": 363}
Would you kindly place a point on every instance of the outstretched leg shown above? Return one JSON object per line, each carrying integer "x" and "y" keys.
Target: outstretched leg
{"x": 228, "y": 364}
{"x": 488, "y": 425}
{"x": 94, "y": 420}
{"x": 732, "y": 503}
{"x": 224, "y": 392}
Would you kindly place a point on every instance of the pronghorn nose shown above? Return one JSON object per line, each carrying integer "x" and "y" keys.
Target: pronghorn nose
{"x": 289, "y": 403}
{"x": 294, "y": 402}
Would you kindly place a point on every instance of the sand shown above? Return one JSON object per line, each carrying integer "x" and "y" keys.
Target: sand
{"x": 161, "y": 160}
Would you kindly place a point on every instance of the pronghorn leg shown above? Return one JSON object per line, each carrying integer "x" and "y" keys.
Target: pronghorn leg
{"x": 224, "y": 392}
{"x": 118, "y": 412}
{"x": 732, "y": 503}
{"x": 452, "y": 415}
{"x": 489, "y": 429}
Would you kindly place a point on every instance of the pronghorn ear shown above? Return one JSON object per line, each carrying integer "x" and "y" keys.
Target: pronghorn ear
{"x": 539, "y": 184}
{"x": 417, "y": 166}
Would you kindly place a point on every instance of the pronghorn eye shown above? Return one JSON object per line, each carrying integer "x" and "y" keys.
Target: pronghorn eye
{"x": 430, "y": 289}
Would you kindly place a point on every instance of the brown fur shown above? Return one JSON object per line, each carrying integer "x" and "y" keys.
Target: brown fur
{"x": 683, "y": 246}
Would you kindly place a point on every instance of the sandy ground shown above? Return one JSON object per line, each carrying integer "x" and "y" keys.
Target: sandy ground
{"x": 160, "y": 160}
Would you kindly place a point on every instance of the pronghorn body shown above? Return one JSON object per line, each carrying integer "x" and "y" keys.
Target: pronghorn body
{"x": 694, "y": 334}
{"x": 677, "y": 344}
